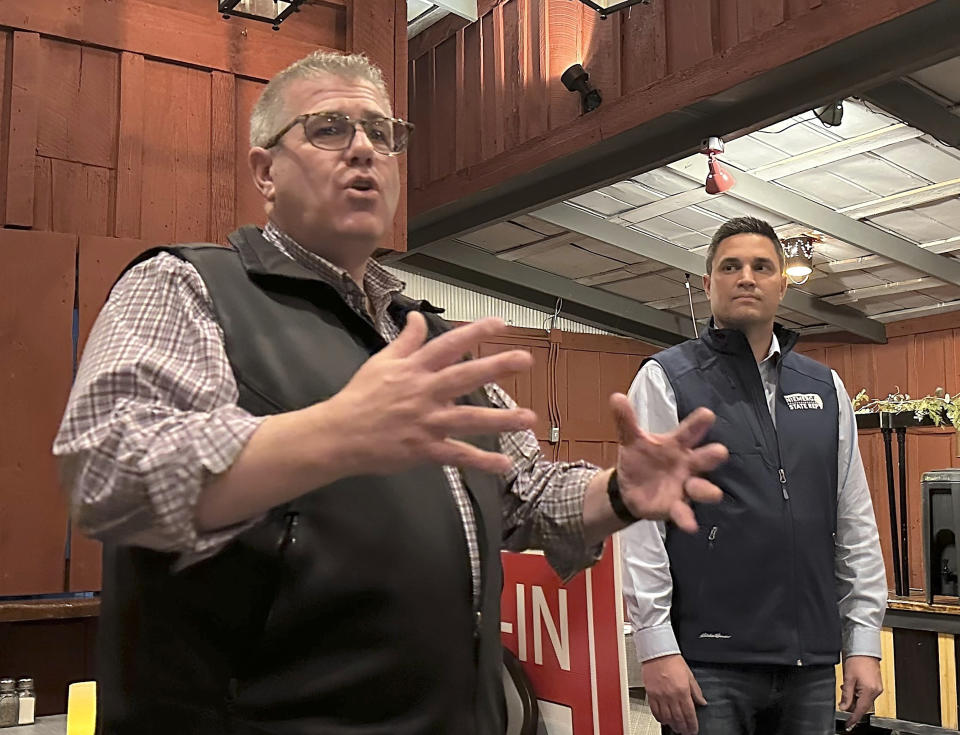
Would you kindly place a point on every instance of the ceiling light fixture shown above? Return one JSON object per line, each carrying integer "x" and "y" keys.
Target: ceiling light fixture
{"x": 273, "y": 12}
{"x": 798, "y": 252}
{"x": 576, "y": 79}
{"x": 831, "y": 115}
{"x": 718, "y": 178}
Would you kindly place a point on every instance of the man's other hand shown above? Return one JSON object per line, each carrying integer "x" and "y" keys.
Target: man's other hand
{"x": 862, "y": 684}
{"x": 673, "y": 692}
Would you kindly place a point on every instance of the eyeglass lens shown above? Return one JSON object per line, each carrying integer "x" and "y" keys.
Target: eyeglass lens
{"x": 335, "y": 132}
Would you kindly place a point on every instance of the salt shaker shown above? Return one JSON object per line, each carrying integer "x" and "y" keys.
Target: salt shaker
{"x": 28, "y": 701}
{"x": 9, "y": 704}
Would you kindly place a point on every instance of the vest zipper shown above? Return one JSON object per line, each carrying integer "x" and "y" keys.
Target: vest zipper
{"x": 291, "y": 521}
{"x": 793, "y": 544}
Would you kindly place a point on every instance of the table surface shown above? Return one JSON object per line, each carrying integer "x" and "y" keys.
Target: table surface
{"x": 52, "y": 725}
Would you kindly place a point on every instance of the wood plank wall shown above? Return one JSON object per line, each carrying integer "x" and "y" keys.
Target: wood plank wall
{"x": 122, "y": 126}
{"x": 489, "y": 103}
{"x": 920, "y": 356}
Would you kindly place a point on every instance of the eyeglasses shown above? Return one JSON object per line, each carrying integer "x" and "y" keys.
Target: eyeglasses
{"x": 334, "y": 131}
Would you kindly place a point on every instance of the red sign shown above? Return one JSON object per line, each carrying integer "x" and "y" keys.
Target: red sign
{"x": 569, "y": 639}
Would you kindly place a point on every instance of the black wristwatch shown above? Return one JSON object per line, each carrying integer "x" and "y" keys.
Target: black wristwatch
{"x": 616, "y": 500}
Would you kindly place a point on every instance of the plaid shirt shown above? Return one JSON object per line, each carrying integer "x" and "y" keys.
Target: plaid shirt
{"x": 153, "y": 415}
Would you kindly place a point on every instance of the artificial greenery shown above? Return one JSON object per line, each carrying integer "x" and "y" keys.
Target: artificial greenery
{"x": 935, "y": 408}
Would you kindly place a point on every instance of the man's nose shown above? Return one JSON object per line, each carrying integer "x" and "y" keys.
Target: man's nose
{"x": 361, "y": 149}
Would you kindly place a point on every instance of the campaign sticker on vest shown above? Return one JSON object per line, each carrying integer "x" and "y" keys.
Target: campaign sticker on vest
{"x": 803, "y": 401}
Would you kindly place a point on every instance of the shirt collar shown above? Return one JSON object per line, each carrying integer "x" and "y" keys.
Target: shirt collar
{"x": 774, "y": 351}
{"x": 379, "y": 285}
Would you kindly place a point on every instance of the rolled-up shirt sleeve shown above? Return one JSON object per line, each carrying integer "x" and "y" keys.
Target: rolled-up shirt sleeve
{"x": 152, "y": 414}
{"x": 543, "y": 504}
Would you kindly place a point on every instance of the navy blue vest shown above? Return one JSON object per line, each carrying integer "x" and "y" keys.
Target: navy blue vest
{"x": 756, "y": 583}
{"x": 345, "y": 612}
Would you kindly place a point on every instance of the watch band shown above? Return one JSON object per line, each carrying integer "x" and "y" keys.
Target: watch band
{"x": 616, "y": 500}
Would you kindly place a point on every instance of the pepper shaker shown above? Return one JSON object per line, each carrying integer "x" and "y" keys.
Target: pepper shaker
{"x": 9, "y": 704}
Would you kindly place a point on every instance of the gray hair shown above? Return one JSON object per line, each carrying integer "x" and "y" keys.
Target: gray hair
{"x": 268, "y": 113}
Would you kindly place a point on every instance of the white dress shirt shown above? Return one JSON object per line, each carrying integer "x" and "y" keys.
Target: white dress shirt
{"x": 861, "y": 579}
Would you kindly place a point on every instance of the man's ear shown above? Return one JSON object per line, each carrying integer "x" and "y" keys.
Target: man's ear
{"x": 706, "y": 285}
{"x": 261, "y": 164}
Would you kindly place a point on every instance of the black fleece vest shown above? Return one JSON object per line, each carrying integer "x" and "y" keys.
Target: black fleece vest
{"x": 756, "y": 583}
{"x": 346, "y": 612}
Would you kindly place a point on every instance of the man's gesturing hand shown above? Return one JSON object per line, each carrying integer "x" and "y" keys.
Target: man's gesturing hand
{"x": 399, "y": 407}
{"x": 659, "y": 473}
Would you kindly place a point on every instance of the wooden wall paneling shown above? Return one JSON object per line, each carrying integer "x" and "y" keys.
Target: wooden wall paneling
{"x": 443, "y": 153}
{"x": 796, "y": 8}
{"x": 927, "y": 449}
{"x": 421, "y": 149}
{"x": 36, "y": 321}
{"x": 100, "y": 262}
{"x": 186, "y": 31}
{"x": 584, "y": 413}
{"x": 469, "y": 96}
{"x": 86, "y": 562}
{"x": 223, "y": 155}
{"x": 617, "y": 372}
{"x": 689, "y": 33}
{"x": 249, "y": 204}
{"x": 534, "y": 104}
{"x": 528, "y": 389}
{"x": 43, "y": 194}
{"x": 563, "y": 50}
{"x": 932, "y": 351}
{"x": 600, "y": 51}
{"x": 130, "y": 147}
{"x": 923, "y": 324}
{"x": 400, "y": 100}
{"x": 871, "y": 451}
{"x": 414, "y": 175}
{"x": 513, "y": 84}
{"x": 891, "y": 364}
{"x": 726, "y": 31}
{"x": 78, "y": 103}
{"x": 916, "y": 664}
{"x": 953, "y": 363}
{"x": 421, "y": 146}
{"x": 372, "y": 32}
{"x": 491, "y": 69}
{"x": 946, "y": 645}
{"x": 863, "y": 371}
{"x": 6, "y": 53}
{"x": 840, "y": 359}
{"x": 176, "y": 154}
{"x": 25, "y": 77}
{"x": 755, "y": 17}
{"x": 81, "y": 198}
{"x": 55, "y": 653}
{"x": 588, "y": 451}
{"x": 643, "y": 55}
